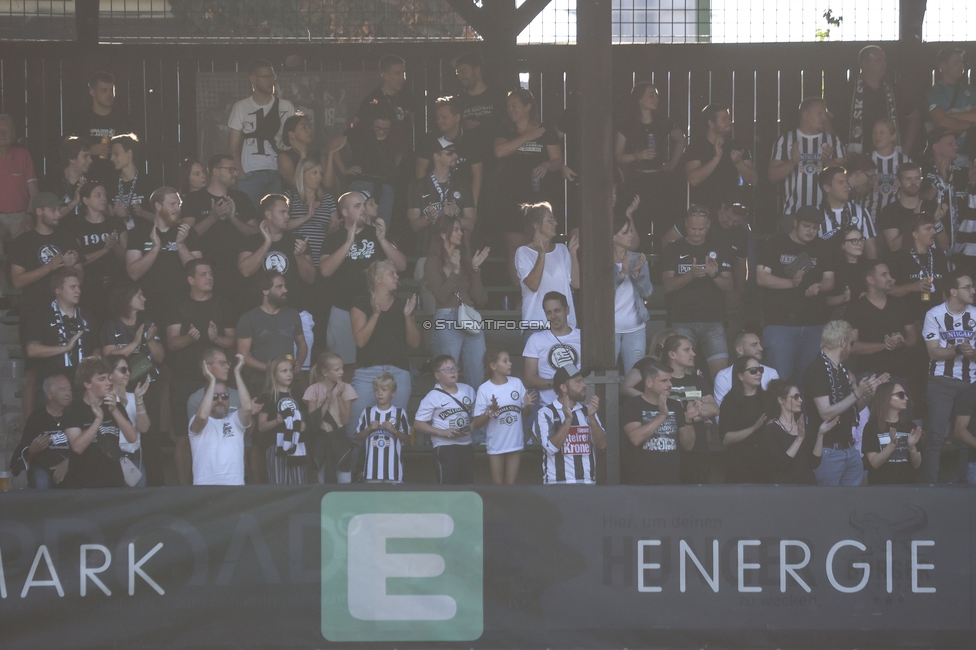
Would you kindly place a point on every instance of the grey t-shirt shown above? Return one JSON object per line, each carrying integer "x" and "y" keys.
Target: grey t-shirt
{"x": 272, "y": 335}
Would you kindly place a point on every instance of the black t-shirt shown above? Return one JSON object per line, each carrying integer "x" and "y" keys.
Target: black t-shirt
{"x": 51, "y": 327}
{"x": 735, "y": 239}
{"x": 292, "y": 410}
{"x": 895, "y": 216}
{"x": 431, "y": 200}
{"x": 199, "y": 314}
{"x": 718, "y": 186}
{"x": 164, "y": 284}
{"x": 785, "y": 257}
{"x": 349, "y": 280}
{"x": 131, "y": 194}
{"x": 480, "y": 115}
{"x": 32, "y": 250}
{"x": 98, "y": 465}
{"x": 400, "y": 103}
{"x": 90, "y": 238}
{"x": 374, "y": 157}
{"x": 847, "y": 275}
{"x": 39, "y": 423}
{"x": 817, "y": 383}
{"x": 777, "y": 466}
{"x": 965, "y": 404}
{"x": 640, "y": 136}
{"x": 907, "y": 267}
{"x": 658, "y": 460}
{"x": 117, "y": 333}
{"x": 515, "y": 170}
{"x": 693, "y": 387}
{"x": 872, "y": 325}
{"x": 222, "y": 242}
{"x": 57, "y": 184}
{"x": 388, "y": 344}
{"x": 699, "y": 301}
{"x": 99, "y": 129}
{"x": 281, "y": 258}
{"x": 742, "y": 459}
{"x": 898, "y": 468}
{"x": 468, "y": 150}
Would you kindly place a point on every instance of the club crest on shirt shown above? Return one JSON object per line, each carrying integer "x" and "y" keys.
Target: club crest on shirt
{"x": 515, "y": 394}
{"x": 276, "y": 261}
{"x": 47, "y": 253}
{"x": 362, "y": 251}
{"x": 562, "y": 355}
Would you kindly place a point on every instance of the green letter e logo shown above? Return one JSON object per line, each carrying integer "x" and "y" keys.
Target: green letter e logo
{"x": 402, "y": 566}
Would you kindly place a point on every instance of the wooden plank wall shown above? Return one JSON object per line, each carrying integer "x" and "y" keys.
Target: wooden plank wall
{"x": 44, "y": 82}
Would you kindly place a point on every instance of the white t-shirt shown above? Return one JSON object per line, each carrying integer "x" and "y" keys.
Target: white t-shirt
{"x": 130, "y": 410}
{"x": 552, "y": 353}
{"x": 442, "y": 411}
{"x": 556, "y": 276}
{"x": 723, "y": 382}
{"x": 951, "y": 330}
{"x": 218, "y": 451}
{"x": 505, "y": 432}
{"x": 258, "y": 153}
{"x": 624, "y": 307}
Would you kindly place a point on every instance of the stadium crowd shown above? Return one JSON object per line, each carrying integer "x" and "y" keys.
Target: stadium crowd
{"x": 253, "y": 316}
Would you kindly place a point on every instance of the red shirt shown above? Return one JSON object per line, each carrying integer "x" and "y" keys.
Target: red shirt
{"x": 16, "y": 171}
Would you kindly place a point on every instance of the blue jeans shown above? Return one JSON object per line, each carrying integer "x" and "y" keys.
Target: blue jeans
{"x": 362, "y": 383}
{"x": 384, "y": 202}
{"x": 40, "y": 478}
{"x": 633, "y": 345}
{"x": 467, "y": 347}
{"x": 971, "y": 473}
{"x": 791, "y": 349}
{"x": 840, "y": 467}
{"x": 258, "y": 184}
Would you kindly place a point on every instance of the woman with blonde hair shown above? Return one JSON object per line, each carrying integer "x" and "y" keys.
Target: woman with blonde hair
{"x": 310, "y": 207}
{"x": 384, "y": 328}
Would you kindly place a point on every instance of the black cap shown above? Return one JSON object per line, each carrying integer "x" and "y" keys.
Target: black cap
{"x": 564, "y": 374}
{"x": 740, "y": 197}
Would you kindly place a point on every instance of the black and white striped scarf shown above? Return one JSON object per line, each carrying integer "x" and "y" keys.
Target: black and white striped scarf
{"x": 840, "y": 382}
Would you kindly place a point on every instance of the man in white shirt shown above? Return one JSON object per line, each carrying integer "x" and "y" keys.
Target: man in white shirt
{"x": 216, "y": 435}
{"x": 548, "y": 350}
{"x": 255, "y": 133}
{"x": 747, "y": 344}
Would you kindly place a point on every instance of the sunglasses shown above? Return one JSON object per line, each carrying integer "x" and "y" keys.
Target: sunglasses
{"x": 856, "y": 242}
{"x": 900, "y": 394}
{"x": 222, "y": 396}
{"x": 756, "y": 370}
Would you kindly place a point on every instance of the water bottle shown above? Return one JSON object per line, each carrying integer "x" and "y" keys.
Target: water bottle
{"x": 652, "y": 145}
{"x": 536, "y": 183}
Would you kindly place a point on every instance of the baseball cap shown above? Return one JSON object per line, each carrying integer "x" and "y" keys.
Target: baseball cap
{"x": 443, "y": 144}
{"x": 808, "y": 214}
{"x": 741, "y": 197}
{"x": 366, "y": 195}
{"x": 44, "y": 200}
{"x": 564, "y": 374}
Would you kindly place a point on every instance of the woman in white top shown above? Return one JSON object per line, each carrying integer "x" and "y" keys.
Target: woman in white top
{"x": 632, "y": 284}
{"x": 545, "y": 266}
{"x": 135, "y": 408}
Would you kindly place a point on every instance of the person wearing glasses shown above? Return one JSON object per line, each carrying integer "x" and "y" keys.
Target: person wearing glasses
{"x": 697, "y": 273}
{"x": 795, "y": 274}
{"x": 788, "y": 454}
{"x": 217, "y": 435}
{"x": 883, "y": 329}
{"x": 740, "y": 419}
{"x": 839, "y": 210}
{"x": 255, "y": 133}
{"x": 831, "y": 392}
{"x": 848, "y": 273}
{"x": 746, "y": 344}
{"x": 890, "y": 439}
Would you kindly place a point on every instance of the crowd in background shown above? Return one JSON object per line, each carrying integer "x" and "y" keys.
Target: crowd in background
{"x": 253, "y": 314}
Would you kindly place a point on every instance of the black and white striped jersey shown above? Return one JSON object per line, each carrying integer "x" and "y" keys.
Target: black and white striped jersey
{"x": 851, "y": 214}
{"x": 950, "y": 330}
{"x": 800, "y": 187}
{"x": 885, "y": 181}
{"x": 575, "y": 460}
{"x": 383, "y": 449}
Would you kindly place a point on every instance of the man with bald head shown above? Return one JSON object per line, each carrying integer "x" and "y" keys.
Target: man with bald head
{"x": 346, "y": 253}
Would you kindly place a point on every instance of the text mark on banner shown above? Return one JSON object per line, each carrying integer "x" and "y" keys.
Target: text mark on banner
{"x": 404, "y": 566}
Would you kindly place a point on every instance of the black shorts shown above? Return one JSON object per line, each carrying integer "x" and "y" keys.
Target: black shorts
{"x": 455, "y": 464}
